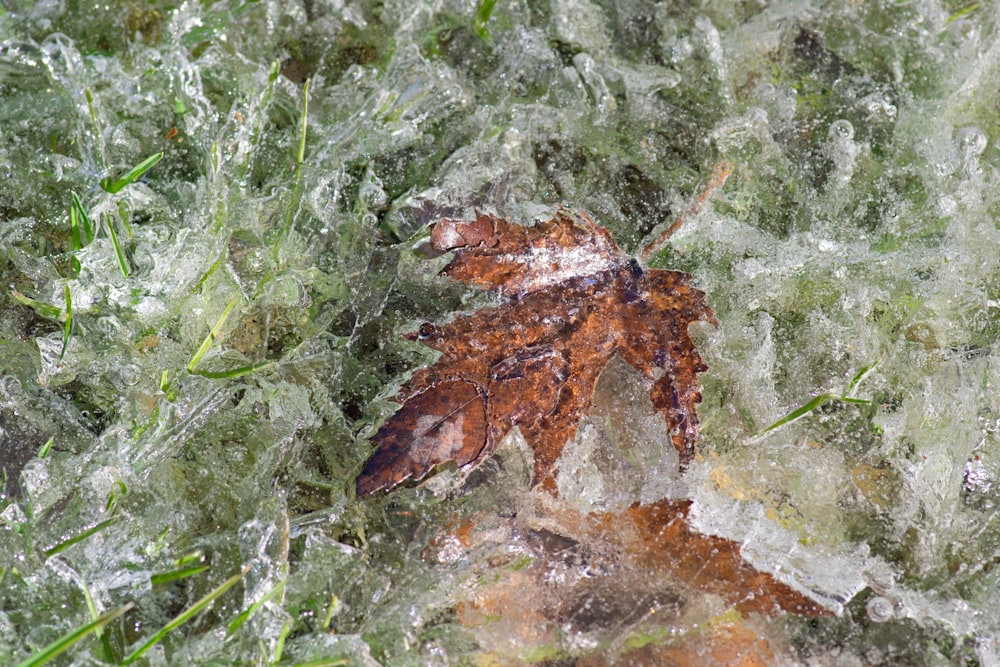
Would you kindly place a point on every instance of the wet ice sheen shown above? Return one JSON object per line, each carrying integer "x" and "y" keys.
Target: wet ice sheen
{"x": 859, "y": 226}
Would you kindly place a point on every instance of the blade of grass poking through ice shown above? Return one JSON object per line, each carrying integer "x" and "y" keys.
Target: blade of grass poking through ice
{"x": 303, "y": 128}
{"x": 856, "y": 381}
{"x": 44, "y": 451}
{"x": 208, "y": 274}
{"x": 79, "y": 222}
{"x": 94, "y": 615}
{"x": 279, "y": 646}
{"x": 255, "y": 125}
{"x": 483, "y": 13}
{"x": 122, "y": 262}
{"x": 123, "y": 213}
{"x": 97, "y": 127}
{"x": 68, "y": 324}
{"x": 846, "y": 397}
{"x": 801, "y": 411}
{"x": 76, "y": 539}
{"x": 67, "y": 641}
{"x": 168, "y": 388}
{"x": 235, "y": 372}
{"x": 964, "y": 11}
{"x": 185, "y": 616}
{"x": 118, "y": 491}
{"x": 210, "y": 338}
{"x": 174, "y": 575}
{"x": 245, "y": 615}
{"x": 331, "y": 610}
{"x": 43, "y": 309}
{"x": 113, "y": 186}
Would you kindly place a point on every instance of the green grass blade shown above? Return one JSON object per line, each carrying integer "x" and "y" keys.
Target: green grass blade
{"x": 859, "y": 377}
{"x": 301, "y": 156}
{"x": 75, "y": 266}
{"x": 245, "y": 615}
{"x": 118, "y": 184}
{"x": 483, "y": 13}
{"x": 68, "y": 324}
{"x": 44, "y": 451}
{"x": 210, "y": 338}
{"x": 185, "y": 616}
{"x": 114, "y": 495}
{"x": 215, "y": 265}
{"x": 67, "y": 641}
{"x": 123, "y": 213}
{"x": 280, "y": 644}
{"x": 90, "y": 107}
{"x": 331, "y": 610}
{"x": 76, "y": 539}
{"x": 79, "y": 221}
{"x": 322, "y": 663}
{"x": 195, "y": 556}
{"x": 964, "y": 11}
{"x": 97, "y": 126}
{"x": 43, "y": 309}
{"x": 94, "y": 615}
{"x": 174, "y": 575}
{"x": 122, "y": 262}
{"x": 74, "y": 227}
{"x": 167, "y": 387}
{"x": 801, "y": 411}
{"x": 235, "y": 372}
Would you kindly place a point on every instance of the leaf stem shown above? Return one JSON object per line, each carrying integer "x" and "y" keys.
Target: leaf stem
{"x": 715, "y": 183}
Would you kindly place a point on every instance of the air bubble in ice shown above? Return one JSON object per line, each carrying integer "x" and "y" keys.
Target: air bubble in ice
{"x": 971, "y": 141}
{"x": 880, "y": 610}
{"x": 131, "y": 374}
{"x": 841, "y": 130}
{"x": 373, "y": 196}
{"x": 878, "y": 105}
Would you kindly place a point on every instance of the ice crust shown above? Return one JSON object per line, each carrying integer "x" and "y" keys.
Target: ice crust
{"x": 858, "y": 230}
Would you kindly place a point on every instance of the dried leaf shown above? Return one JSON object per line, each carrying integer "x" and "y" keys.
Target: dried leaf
{"x": 630, "y": 578}
{"x": 574, "y": 300}
{"x": 659, "y": 537}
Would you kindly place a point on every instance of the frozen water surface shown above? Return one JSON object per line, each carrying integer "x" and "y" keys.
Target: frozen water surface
{"x": 849, "y": 429}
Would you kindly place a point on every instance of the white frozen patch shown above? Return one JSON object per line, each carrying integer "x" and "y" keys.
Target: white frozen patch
{"x": 545, "y": 267}
{"x": 438, "y": 441}
{"x": 448, "y": 237}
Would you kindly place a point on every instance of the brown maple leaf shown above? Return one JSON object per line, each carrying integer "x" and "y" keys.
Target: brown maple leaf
{"x": 605, "y": 576}
{"x": 574, "y": 300}
{"x": 630, "y": 550}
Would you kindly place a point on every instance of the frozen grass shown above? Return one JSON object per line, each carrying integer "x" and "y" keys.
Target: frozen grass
{"x": 207, "y": 215}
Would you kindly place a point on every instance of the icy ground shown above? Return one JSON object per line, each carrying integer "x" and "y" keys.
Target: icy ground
{"x": 851, "y": 259}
